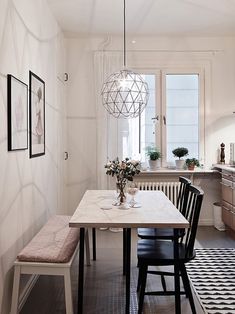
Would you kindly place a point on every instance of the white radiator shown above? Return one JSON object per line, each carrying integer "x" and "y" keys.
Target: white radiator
{"x": 171, "y": 189}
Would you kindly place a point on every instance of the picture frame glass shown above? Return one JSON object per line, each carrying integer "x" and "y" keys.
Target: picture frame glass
{"x": 17, "y": 114}
{"x": 37, "y": 116}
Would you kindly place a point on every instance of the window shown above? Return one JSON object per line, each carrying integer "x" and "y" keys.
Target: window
{"x": 171, "y": 118}
{"x": 182, "y": 125}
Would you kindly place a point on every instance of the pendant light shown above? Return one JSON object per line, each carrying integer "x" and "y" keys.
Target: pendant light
{"x": 125, "y": 94}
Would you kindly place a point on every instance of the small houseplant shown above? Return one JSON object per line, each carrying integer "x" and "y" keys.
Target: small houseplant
{"x": 191, "y": 163}
{"x": 154, "y": 155}
{"x": 180, "y": 152}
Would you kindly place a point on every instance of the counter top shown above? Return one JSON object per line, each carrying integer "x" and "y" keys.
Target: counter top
{"x": 224, "y": 167}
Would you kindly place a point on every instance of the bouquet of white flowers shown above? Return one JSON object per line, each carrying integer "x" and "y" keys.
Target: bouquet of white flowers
{"x": 123, "y": 170}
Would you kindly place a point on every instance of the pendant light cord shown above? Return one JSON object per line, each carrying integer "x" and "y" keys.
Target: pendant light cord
{"x": 124, "y": 33}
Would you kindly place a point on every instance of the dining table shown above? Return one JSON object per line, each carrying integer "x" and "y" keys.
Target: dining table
{"x": 154, "y": 210}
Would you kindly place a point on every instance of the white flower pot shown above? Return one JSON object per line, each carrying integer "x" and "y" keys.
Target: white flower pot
{"x": 179, "y": 163}
{"x": 154, "y": 164}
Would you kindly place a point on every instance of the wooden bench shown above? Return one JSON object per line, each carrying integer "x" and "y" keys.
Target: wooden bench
{"x": 50, "y": 252}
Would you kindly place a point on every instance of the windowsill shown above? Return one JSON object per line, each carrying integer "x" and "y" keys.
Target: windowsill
{"x": 176, "y": 171}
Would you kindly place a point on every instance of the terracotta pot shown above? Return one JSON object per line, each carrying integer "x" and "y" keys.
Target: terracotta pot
{"x": 191, "y": 167}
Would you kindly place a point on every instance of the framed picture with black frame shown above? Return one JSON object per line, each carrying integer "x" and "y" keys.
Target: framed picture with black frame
{"x": 17, "y": 113}
{"x": 36, "y": 115}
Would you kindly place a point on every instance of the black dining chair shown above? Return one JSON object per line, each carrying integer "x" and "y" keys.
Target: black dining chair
{"x": 167, "y": 233}
{"x": 161, "y": 253}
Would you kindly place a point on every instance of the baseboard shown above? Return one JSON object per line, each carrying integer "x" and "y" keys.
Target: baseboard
{"x": 206, "y": 222}
{"x": 26, "y": 291}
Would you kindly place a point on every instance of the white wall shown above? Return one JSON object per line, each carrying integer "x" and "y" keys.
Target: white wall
{"x": 31, "y": 189}
{"x": 81, "y": 120}
{"x": 214, "y": 55}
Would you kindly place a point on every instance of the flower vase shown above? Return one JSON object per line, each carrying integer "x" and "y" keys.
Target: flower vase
{"x": 120, "y": 189}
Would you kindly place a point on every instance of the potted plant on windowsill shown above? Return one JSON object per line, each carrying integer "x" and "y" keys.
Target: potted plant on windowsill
{"x": 154, "y": 155}
{"x": 192, "y": 163}
{"x": 180, "y": 152}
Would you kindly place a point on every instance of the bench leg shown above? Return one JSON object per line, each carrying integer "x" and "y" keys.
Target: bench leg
{"x": 68, "y": 292}
{"x": 88, "y": 258}
{"x": 15, "y": 292}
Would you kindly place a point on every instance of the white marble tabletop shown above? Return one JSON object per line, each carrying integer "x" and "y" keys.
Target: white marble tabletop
{"x": 156, "y": 211}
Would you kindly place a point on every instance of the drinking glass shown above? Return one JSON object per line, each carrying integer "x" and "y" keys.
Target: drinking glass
{"x": 132, "y": 191}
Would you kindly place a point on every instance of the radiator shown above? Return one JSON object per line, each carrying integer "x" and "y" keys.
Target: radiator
{"x": 171, "y": 189}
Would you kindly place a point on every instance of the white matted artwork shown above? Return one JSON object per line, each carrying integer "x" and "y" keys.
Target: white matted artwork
{"x": 17, "y": 101}
{"x": 36, "y": 115}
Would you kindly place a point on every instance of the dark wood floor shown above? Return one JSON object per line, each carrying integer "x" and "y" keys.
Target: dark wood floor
{"x": 104, "y": 284}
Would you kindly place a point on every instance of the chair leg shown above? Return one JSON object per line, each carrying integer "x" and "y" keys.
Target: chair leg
{"x": 87, "y": 244}
{"x": 94, "y": 243}
{"x": 143, "y": 271}
{"x": 163, "y": 281}
{"x": 68, "y": 292}
{"x": 184, "y": 280}
{"x": 187, "y": 288}
{"x": 140, "y": 275}
{"x": 15, "y": 292}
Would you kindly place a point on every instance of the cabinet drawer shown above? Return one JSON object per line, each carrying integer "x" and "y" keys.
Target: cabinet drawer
{"x": 227, "y": 217}
{"x": 227, "y": 175}
{"x": 227, "y": 205}
{"x": 227, "y": 191}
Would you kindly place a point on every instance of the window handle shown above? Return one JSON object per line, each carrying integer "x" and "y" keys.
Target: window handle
{"x": 155, "y": 118}
{"x": 164, "y": 120}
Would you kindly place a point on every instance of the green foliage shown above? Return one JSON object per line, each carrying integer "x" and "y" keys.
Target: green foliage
{"x": 180, "y": 152}
{"x": 153, "y": 152}
{"x": 192, "y": 161}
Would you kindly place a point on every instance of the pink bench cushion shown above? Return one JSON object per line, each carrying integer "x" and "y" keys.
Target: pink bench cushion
{"x": 54, "y": 243}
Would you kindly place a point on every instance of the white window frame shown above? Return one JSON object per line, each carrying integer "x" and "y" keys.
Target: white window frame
{"x": 201, "y": 108}
{"x": 160, "y": 101}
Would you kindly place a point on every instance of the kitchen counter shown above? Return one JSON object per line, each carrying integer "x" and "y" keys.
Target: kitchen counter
{"x": 224, "y": 167}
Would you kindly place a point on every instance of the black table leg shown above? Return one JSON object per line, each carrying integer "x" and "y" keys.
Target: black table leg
{"x": 94, "y": 243}
{"x": 81, "y": 272}
{"x": 124, "y": 251}
{"x": 128, "y": 269}
{"x": 176, "y": 271}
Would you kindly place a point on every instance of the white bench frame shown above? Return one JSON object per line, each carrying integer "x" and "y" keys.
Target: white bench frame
{"x": 51, "y": 269}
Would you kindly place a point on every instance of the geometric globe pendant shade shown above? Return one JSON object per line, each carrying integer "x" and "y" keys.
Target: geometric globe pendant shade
{"x": 125, "y": 94}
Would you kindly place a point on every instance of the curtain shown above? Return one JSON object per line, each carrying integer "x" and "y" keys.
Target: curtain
{"x": 107, "y": 127}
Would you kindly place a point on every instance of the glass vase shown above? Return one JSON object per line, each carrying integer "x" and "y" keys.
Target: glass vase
{"x": 120, "y": 190}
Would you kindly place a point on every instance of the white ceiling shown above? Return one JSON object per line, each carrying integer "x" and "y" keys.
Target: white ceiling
{"x": 146, "y": 17}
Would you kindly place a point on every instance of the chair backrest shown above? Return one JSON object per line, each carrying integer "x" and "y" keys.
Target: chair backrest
{"x": 192, "y": 214}
{"x": 182, "y": 199}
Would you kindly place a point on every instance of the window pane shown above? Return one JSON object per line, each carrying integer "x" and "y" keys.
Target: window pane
{"x": 182, "y": 97}
{"x": 147, "y": 123}
{"x": 182, "y": 116}
{"x": 129, "y": 128}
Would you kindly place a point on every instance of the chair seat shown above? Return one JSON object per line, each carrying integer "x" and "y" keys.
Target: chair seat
{"x": 158, "y": 233}
{"x": 160, "y": 253}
